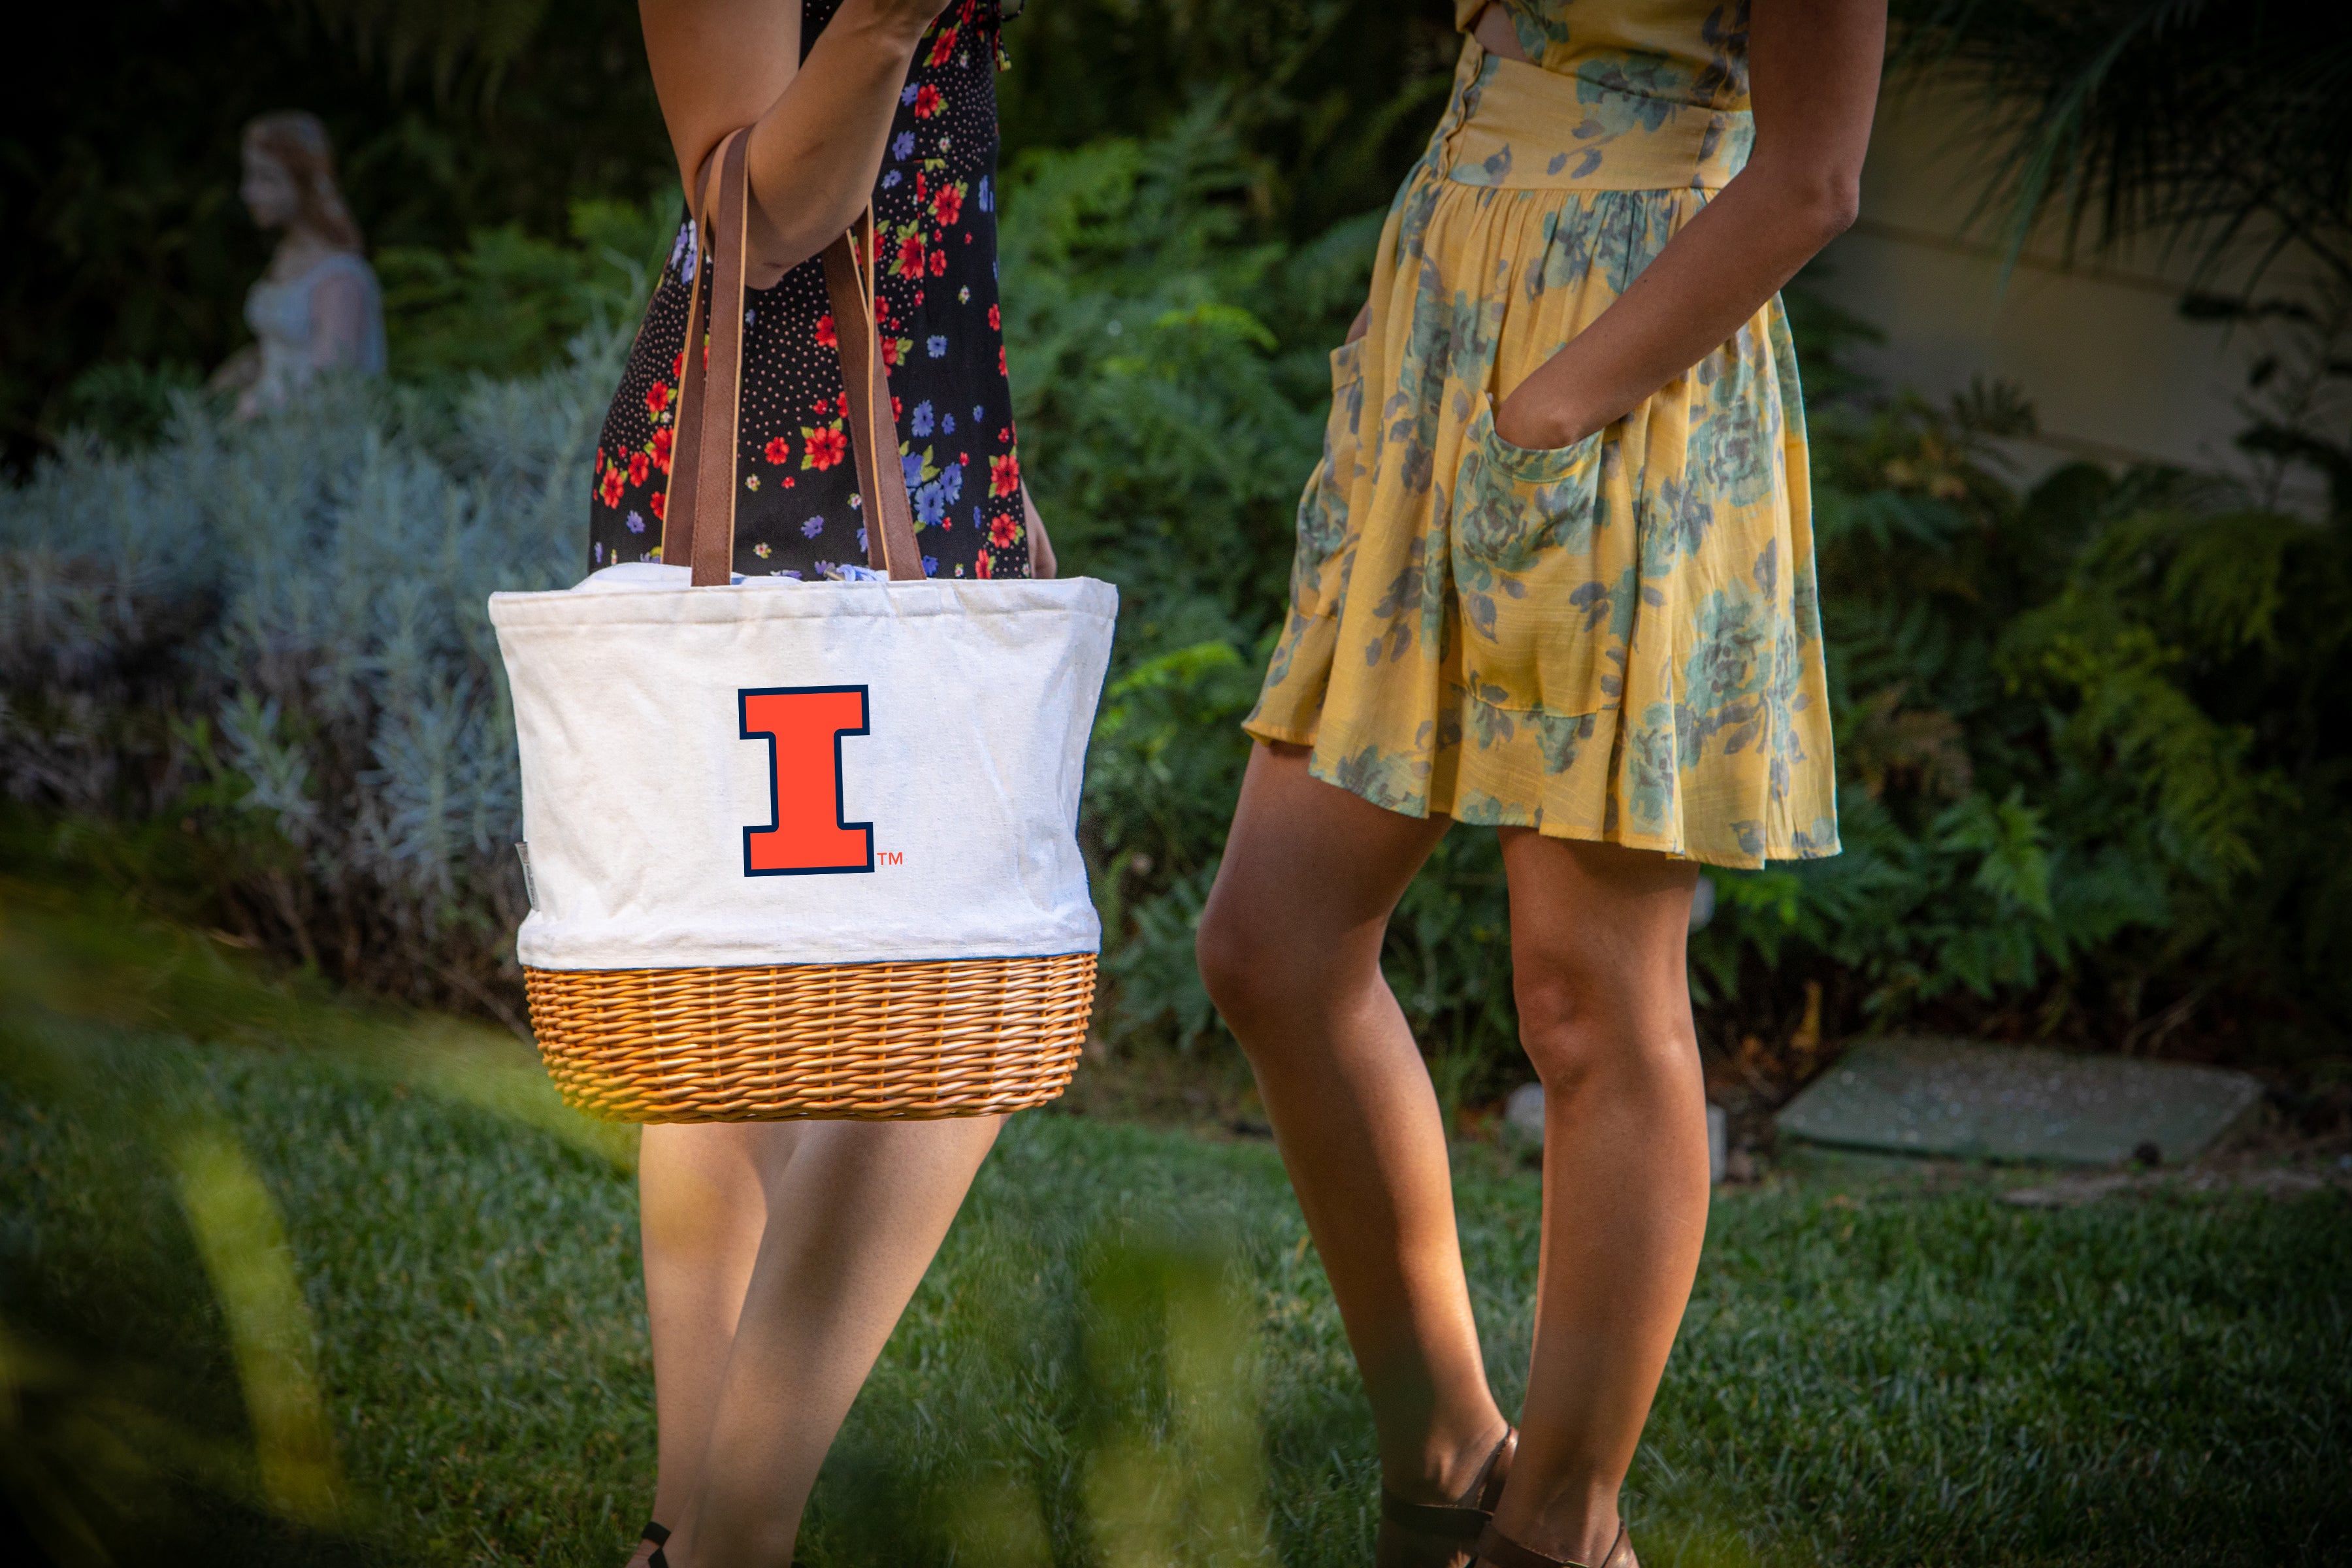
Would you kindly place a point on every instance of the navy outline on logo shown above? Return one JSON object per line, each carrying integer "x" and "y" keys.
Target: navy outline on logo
{"x": 840, "y": 806}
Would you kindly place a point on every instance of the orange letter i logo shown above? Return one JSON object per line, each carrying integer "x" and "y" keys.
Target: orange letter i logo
{"x": 808, "y": 833}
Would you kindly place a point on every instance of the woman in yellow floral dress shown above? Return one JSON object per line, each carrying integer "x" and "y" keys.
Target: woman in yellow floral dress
{"x": 1555, "y": 576}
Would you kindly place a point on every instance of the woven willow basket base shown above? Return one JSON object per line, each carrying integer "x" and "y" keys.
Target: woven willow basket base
{"x": 856, "y": 1042}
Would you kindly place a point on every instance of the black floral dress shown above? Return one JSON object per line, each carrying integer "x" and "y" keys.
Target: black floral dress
{"x": 935, "y": 215}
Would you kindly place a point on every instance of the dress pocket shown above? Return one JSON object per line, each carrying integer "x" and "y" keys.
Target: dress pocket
{"x": 1544, "y": 575}
{"x": 1323, "y": 526}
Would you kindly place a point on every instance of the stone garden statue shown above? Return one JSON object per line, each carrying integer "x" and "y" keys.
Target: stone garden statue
{"x": 317, "y": 307}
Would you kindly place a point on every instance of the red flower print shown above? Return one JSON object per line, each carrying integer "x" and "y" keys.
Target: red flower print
{"x": 678, "y": 366}
{"x": 778, "y": 449}
{"x": 910, "y": 256}
{"x": 662, "y": 441}
{"x": 1004, "y": 474}
{"x": 922, "y": 189}
{"x": 1003, "y": 532}
{"x": 1000, "y": 359}
{"x": 609, "y": 492}
{"x": 927, "y": 101}
{"x": 826, "y": 447}
{"x": 639, "y": 463}
{"x": 825, "y": 332}
{"x": 938, "y": 263}
{"x": 897, "y": 409}
{"x": 659, "y": 501}
{"x": 985, "y": 570}
{"x": 943, "y": 47}
{"x": 948, "y": 206}
{"x": 890, "y": 352}
{"x": 656, "y": 397}
{"x": 600, "y": 460}
{"x": 996, "y": 318}
{"x": 824, "y": 406}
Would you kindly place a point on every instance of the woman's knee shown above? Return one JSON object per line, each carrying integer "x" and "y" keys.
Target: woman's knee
{"x": 1232, "y": 960}
{"x": 1578, "y": 1030}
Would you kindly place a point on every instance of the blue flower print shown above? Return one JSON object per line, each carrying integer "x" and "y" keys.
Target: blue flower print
{"x": 930, "y": 565}
{"x": 947, "y": 424}
{"x": 636, "y": 522}
{"x": 903, "y": 145}
{"x": 861, "y": 541}
{"x": 937, "y": 344}
{"x": 889, "y": 179}
{"x": 596, "y": 551}
{"x": 921, "y": 421}
{"x": 930, "y": 505}
{"x": 911, "y": 465}
{"x": 906, "y": 93}
{"x": 951, "y": 483}
{"x": 812, "y": 528}
{"x": 987, "y": 196}
{"x": 979, "y": 415}
{"x": 976, "y": 521}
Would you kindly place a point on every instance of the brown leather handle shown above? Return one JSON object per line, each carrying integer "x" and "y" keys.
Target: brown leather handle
{"x": 699, "y": 517}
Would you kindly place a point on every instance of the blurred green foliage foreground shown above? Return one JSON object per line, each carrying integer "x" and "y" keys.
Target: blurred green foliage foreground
{"x": 287, "y": 1279}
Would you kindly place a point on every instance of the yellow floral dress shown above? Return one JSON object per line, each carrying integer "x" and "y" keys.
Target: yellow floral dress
{"x": 1618, "y": 640}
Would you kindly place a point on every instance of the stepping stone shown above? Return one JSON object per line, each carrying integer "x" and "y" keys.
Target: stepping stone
{"x": 1964, "y": 1099}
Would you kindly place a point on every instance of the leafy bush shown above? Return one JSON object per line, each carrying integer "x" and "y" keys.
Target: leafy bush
{"x": 262, "y": 654}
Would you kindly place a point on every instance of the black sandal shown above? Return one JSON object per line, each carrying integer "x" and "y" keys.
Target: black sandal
{"x": 660, "y": 1538}
{"x": 1443, "y": 1535}
{"x": 1496, "y": 1549}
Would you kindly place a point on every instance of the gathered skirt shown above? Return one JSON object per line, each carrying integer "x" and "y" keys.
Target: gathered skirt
{"x": 1616, "y": 640}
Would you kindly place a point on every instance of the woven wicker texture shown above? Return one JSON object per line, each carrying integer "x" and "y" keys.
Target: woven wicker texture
{"x": 855, "y": 1042}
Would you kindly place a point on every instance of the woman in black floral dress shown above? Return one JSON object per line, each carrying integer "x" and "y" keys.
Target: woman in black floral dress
{"x": 779, "y": 1255}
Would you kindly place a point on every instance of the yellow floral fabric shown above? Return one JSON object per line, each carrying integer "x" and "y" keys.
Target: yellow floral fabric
{"x": 1617, "y": 640}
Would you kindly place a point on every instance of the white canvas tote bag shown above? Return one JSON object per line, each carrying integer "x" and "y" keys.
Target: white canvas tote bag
{"x": 802, "y": 849}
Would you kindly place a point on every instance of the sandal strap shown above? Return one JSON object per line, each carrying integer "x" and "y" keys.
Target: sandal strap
{"x": 659, "y": 1535}
{"x": 1439, "y": 1520}
{"x": 1496, "y": 1549}
{"x": 1460, "y": 1521}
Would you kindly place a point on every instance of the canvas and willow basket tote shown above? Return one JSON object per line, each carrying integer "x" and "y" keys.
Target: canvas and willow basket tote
{"x": 802, "y": 849}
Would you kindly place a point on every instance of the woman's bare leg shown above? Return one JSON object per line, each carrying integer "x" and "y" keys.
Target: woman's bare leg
{"x": 854, "y": 1215}
{"x": 1598, "y": 940}
{"x": 1290, "y": 945}
{"x": 702, "y": 1198}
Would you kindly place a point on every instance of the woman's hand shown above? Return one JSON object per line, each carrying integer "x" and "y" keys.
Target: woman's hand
{"x": 1041, "y": 549}
{"x": 1813, "y": 80}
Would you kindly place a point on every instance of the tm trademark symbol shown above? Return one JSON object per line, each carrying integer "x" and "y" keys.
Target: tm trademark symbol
{"x": 889, "y": 858}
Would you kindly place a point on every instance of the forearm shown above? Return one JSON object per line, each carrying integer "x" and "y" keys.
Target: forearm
{"x": 814, "y": 156}
{"x": 1710, "y": 278}
{"x": 1814, "y": 78}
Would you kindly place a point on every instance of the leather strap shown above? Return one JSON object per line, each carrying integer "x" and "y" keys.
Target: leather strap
{"x": 1458, "y": 1523}
{"x": 874, "y": 432}
{"x": 699, "y": 515}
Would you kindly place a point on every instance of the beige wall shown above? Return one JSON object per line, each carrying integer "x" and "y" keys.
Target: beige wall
{"x": 2114, "y": 371}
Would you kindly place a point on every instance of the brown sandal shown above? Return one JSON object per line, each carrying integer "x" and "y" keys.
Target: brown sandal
{"x": 1496, "y": 1549}
{"x": 1442, "y": 1535}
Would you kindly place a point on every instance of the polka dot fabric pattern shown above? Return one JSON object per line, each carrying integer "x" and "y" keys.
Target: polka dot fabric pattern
{"x": 799, "y": 513}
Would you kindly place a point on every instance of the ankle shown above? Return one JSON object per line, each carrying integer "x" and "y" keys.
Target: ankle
{"x": 1447, "y": 1462}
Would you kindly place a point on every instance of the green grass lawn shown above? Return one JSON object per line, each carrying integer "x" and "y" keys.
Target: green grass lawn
{"x": 1125, "y": 1354}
